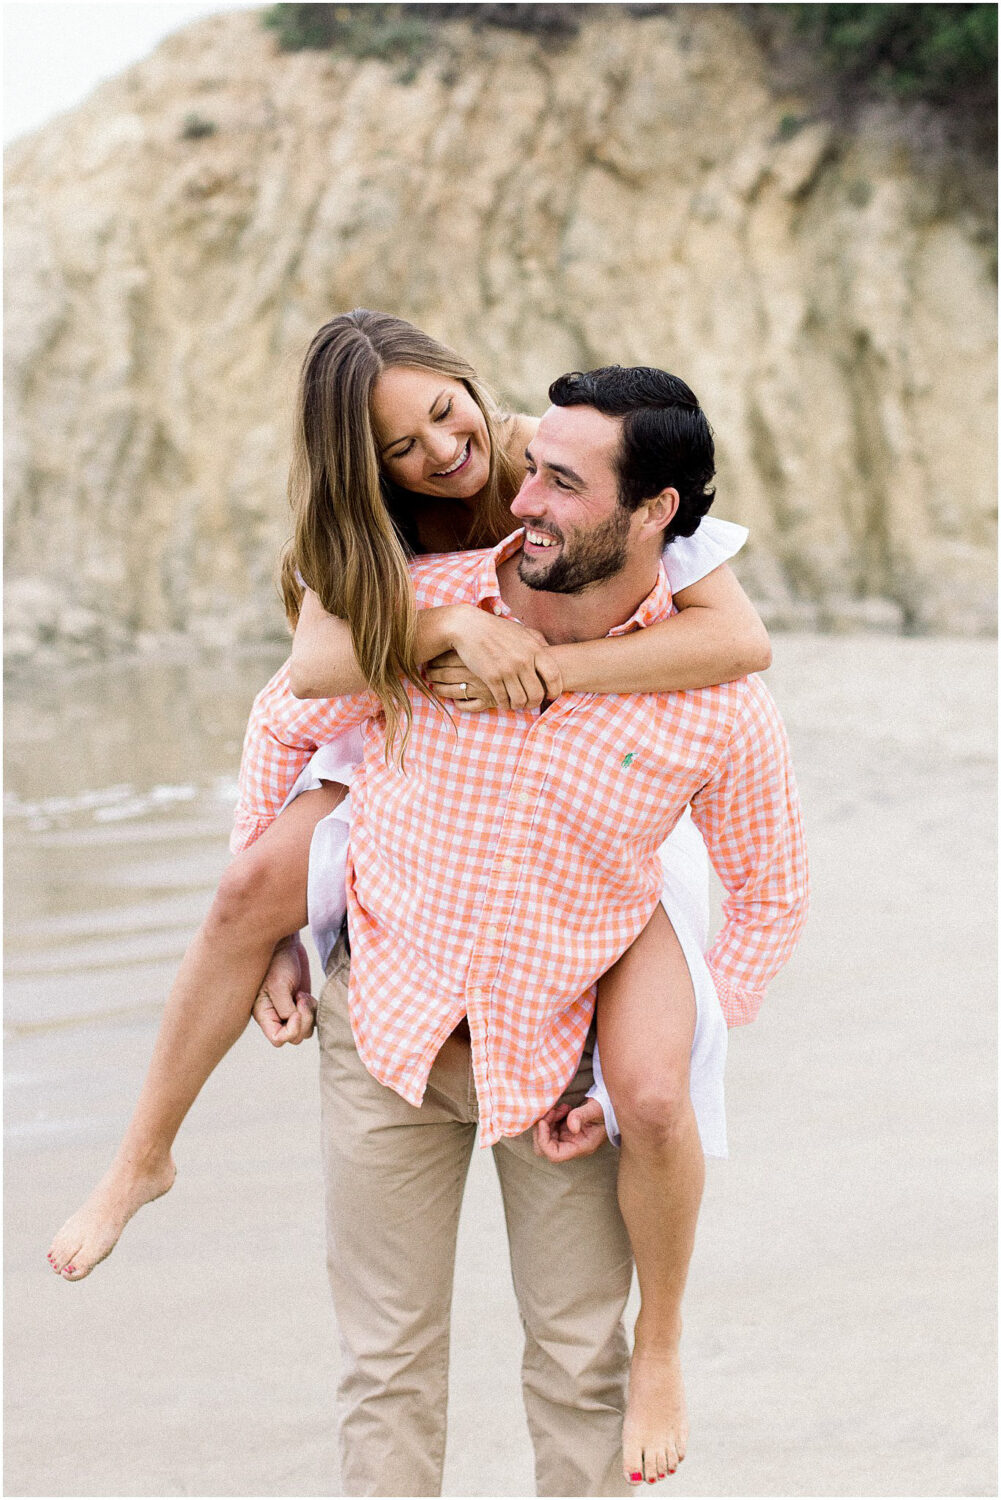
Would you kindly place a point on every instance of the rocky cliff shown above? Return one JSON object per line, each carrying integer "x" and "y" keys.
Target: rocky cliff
{"x": 644, "y": 195}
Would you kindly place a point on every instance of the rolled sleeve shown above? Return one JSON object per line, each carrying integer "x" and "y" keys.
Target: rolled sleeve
{"x": 282, "y": 733}
{"x": 749, "y": 815}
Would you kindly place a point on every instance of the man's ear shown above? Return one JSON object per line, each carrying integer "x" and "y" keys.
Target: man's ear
{"x": 661, "y": 510}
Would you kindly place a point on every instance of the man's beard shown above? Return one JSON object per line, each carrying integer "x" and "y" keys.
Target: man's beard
{"x": 586, "y": 557}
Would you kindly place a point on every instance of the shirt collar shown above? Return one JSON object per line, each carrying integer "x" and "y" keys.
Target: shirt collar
{"x": 656, "y": 606}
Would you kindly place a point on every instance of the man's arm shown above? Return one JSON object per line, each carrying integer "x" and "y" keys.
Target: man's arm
{"x": 749, "y": 815}
{"x": 282, "y": 734}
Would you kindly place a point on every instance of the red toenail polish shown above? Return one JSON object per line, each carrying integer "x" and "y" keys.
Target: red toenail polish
{"x": 635, "y": 1478}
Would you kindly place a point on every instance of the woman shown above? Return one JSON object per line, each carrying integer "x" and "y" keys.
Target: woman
{"x": 398, "y": 447}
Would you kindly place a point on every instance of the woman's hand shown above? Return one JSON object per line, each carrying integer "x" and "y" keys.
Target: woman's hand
{"x": 494, "y": 663}
{"x": 454, "y": 681}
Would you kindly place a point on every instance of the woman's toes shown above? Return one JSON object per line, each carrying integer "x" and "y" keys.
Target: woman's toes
{"x": 58, "y": 1258}
{"x": 632, "y": 1461}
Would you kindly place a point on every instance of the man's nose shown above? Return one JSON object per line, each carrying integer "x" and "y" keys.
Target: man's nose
{"x": 526, "y": 502}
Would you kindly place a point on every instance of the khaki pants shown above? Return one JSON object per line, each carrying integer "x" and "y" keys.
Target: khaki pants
{"x": 394, "y": 1179}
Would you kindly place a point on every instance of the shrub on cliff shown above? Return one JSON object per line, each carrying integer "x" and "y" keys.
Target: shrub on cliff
{"x": 941, "y": 56}
{"x": 406, "y": 31}
{"x": 939, "y": 53}
{"x": 944, "y": 56}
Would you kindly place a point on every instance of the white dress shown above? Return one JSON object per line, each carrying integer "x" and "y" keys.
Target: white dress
{"x": 683, "y": 857}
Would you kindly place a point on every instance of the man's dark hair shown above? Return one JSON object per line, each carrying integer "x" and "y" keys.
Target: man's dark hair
{"x": 666, "y": 439}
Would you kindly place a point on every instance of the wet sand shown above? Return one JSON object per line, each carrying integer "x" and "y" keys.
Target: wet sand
{"x": 840, "y": 1333}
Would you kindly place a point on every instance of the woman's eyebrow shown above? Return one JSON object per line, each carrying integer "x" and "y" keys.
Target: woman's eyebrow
{"x": 386, "y": 446}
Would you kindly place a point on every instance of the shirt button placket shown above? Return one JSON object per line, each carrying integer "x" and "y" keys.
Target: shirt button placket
{"x": 500, "y": 902}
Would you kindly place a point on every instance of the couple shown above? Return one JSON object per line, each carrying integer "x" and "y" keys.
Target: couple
{"x": 503, "y": 866}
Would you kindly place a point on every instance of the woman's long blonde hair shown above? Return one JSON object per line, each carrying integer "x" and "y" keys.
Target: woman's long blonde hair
{"x": 349, "y": 521}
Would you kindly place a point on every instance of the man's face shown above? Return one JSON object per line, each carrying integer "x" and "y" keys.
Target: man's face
{"x": 576, "y": 532}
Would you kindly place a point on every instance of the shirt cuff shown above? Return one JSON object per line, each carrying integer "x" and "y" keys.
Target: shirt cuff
{"x": 246, "y": 831}
{"x": 739, "y": 1006}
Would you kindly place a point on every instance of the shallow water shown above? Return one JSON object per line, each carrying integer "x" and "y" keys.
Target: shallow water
{"x": 120, "y": 785}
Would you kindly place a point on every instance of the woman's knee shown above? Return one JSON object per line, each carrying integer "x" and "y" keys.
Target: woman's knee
{"x": 249, "y": 898}
{"x": 651, "y": 1109}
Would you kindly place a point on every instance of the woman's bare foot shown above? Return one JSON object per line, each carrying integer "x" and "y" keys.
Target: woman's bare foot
{"x": 655, "y": 1429}
{"x": 92, "y": 1233}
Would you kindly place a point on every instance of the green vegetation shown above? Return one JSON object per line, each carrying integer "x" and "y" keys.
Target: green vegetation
{"x": 195, "y": 127}
{"x": 939, "y": 53}
{"x": 398, "y": 32}
{"x": 944, "y": 56}
{"x": 940, "y": 58}
{"x": 388, "y": 32}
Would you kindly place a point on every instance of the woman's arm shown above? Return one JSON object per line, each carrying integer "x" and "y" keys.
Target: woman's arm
{"x": 716, "y": 636}
{"x": 514, "y": 662}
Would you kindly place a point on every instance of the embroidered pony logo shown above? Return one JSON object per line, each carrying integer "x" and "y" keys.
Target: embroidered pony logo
{"x": 627, "y": 760}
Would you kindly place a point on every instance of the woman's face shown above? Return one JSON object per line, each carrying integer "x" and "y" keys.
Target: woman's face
{"x": 430, "y": 433}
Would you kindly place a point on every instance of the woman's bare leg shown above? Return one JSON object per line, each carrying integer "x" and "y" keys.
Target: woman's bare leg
{"x": 646, "y": 1022}
{"x": 261, "y": 899}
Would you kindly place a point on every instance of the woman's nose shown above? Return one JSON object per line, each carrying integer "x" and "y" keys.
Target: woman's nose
{"x": 440, "y": 448}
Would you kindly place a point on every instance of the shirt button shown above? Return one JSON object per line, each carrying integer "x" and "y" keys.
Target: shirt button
{"x": 498, "y": 609}
{"x": 507, "y": 864}
{"x": 493, "y": 933}
{"x": 524, "y": 798}
{"x": 477, "y": 994}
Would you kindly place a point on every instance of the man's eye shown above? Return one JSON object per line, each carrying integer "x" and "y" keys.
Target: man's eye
{"x": 560, "y": 485}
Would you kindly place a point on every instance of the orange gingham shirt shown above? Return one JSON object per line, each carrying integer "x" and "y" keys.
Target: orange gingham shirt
{"x": 514, "y": 858}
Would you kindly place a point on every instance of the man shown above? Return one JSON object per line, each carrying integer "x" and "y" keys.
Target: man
{"x": 494, "y": 875}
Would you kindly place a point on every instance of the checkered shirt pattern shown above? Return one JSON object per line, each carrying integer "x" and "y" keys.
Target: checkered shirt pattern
{"x": 513, "y": 857}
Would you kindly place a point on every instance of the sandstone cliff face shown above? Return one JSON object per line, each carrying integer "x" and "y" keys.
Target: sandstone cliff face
{"x": 643, "y": 196}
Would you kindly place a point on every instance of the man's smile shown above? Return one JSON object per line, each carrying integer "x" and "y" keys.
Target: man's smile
{"x": 538, "y": 539}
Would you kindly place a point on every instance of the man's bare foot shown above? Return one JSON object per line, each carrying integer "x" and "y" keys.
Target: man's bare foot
{"x": 92, "y": 1233}
{"x": 655, "y": 1429}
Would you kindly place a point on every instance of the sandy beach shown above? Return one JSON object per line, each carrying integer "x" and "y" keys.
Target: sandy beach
{"x": 840, "y": 1330}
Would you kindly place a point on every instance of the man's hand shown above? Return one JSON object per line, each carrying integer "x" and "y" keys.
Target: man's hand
{"x": 284, "y": 1009}
{"x": 567, "y": 1131}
